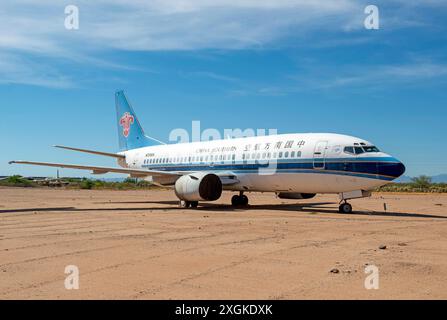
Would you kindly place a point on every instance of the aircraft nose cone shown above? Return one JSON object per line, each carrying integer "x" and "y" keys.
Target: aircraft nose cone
{"x": 399, "y": 169}
{"x": 392, "y": 169}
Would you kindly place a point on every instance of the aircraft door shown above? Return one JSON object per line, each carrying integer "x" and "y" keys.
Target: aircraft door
{"x": 320, "y": 154}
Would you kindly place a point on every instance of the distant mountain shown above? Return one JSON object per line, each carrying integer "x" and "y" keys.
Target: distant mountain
{"x": 403, "y": 179}
{"x": 440, "y": 178}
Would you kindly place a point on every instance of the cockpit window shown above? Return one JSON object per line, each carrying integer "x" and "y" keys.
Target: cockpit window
{"x": 360, "y": 150}
{"x": 371, "y": 149}
{"x": 349, "y": 150}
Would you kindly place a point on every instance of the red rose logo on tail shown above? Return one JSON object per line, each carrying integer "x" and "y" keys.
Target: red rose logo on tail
{"x": 126, "y": 121}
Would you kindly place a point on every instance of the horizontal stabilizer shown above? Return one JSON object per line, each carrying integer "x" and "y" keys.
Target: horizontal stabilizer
{"x": 107, "y": 154}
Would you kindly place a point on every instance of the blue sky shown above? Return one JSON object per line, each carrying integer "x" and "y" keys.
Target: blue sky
{"x": 293, "y": 65}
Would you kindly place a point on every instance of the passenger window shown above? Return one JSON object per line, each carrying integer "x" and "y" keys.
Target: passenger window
{"x": 292, "y": 154}
{"x": 280, "y": 155}
{"x": 286, "y": 154}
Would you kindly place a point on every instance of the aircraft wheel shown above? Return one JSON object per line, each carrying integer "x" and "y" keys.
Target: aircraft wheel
{"x": 238, "y": 200}
{"x": 185, "y": 204}
{"x": 345, "y": 208}
{"x": 235, "y": 200}
{"x": 194, "y": 204}
{"x": 244, "y": 200}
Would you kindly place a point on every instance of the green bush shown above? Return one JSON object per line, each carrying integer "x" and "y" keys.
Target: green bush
{"x": 87, "y": 184}
{"x": 421, "y": 182}
{"x": 130, "y": 180}
{"x": 16, "y": 181}
{"x": 414, "y": 187}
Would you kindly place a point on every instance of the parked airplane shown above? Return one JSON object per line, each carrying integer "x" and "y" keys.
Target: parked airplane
{"x": 294, "y": 166}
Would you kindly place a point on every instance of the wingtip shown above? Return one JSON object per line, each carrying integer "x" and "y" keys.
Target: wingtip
{"x": 11, "y": 162}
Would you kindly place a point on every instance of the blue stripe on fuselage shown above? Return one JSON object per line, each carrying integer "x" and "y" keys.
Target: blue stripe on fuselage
{"x": 382, "y": 168}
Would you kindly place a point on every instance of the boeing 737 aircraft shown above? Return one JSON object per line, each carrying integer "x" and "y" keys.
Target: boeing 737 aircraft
{"x": 294, "y": 166}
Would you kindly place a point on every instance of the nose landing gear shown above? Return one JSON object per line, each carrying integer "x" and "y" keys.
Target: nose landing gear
{"x": 239, "y": 200}
{"x": 345, "y": 208}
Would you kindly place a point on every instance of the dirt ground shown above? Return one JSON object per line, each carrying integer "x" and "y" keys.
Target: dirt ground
{"x": 140, "y": 245}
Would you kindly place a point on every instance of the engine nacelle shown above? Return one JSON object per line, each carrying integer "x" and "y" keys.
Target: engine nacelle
{"x": 295, "y": 195}
{"x": 200, "y": 186}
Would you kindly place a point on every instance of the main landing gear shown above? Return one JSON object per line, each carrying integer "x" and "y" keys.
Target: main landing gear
{"x": 189, "y": 204}
{"x": 345, "y": 208}
{"x": 239, "y": 200}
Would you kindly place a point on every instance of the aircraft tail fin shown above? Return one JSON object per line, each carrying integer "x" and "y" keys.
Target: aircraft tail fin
{"x": 130, "y": 133}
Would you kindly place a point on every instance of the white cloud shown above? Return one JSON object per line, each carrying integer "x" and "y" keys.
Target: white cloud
{"x": 33, "y": 29}
{"x": 367, "y": 76}
{"x": 165, "y": 25}
{"x": 19, "y": 70}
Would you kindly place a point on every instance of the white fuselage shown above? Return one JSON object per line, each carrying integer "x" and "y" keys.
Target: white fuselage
{"x": 306, "y": 163}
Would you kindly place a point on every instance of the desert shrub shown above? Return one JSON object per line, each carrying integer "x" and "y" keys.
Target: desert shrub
{"x": 87, "y": 184}
{"x": 421, "y": 182}
{"x": 16, "y": 181}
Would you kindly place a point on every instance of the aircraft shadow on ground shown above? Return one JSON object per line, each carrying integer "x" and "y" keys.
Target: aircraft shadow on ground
{"x": 37, "y": 209}
{"x": 315, "y": 208}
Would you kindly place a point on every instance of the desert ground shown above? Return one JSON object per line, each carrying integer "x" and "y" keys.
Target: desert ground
{"x": 140, "y": 245}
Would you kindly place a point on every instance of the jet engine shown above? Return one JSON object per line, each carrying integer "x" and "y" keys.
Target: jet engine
{"x": 295, "y": 195}
{"x": 200, "y": 186}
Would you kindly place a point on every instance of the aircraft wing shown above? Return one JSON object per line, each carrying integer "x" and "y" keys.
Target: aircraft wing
{"x": 136, "y": 173}
{"x": 227, "y": 178}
